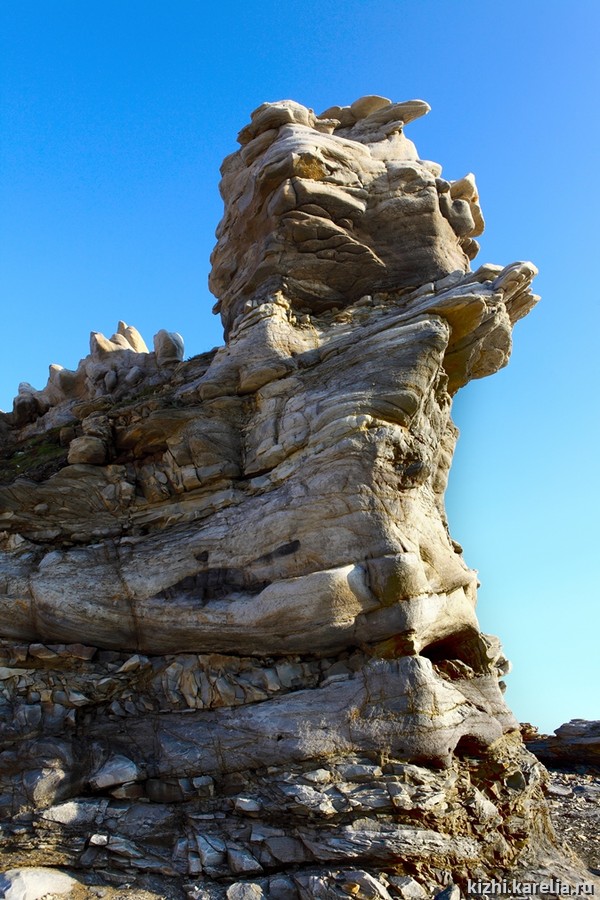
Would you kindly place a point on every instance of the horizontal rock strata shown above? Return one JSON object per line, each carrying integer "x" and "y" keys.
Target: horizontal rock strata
{"x": 576, "y": 743}
{"x": 239, "y": 643}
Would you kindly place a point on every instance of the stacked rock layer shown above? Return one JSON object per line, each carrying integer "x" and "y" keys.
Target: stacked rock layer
{"x": 239, "y": 644}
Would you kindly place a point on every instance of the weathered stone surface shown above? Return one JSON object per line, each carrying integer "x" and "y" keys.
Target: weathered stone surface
{"x": 87, "y": 449}
{"x": 328, "y": 209}
{"x": 34, "y": 883}
{"x": 168, "y": 346}
{"x": 238, "y": 642}
{"x": 117, "y": 769}
{"x": 575, "y": 743}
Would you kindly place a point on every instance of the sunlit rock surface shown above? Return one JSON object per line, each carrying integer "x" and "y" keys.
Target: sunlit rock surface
{"x": 240, "y": 646}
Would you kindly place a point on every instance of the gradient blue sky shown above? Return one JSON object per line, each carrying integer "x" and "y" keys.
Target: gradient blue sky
{"x": 115, "y": 117}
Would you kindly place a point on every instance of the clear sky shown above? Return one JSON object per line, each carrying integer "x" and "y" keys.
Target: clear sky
{"x": 115, "y": 117}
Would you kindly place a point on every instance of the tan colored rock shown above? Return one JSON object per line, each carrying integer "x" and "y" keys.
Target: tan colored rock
{"x": 291, "y": 695}
{"x": 364, "y": 106}
{"x": 168, "y": 346}
{"x": 337, "y": 215}
{"x": 133, "y": 337}
{"x": 88, "y": 450}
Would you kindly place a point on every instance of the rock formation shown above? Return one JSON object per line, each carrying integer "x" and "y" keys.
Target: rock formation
{"x": 239, "y": 644}
{"x": 576, "y": 743}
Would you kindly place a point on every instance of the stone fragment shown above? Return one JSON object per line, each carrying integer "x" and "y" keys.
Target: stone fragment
{"x": 247, "y": 805}
{"x": 318, "y": 776}
{"x": 364, "y": 106}
{"x": 555, "y": 789}
{"x": 212, "y": 850}
{"x": 87, "y": 450}
{"x": 168, "y": 346}
{"x": 241, "y": 862}
{"x": 133, "y": 337}
{"x": 362, "y": 885}
{"x": 25, "y": 410}
{"x": 99, "y": 840}
{"x": 131, "y": 790}
{"x": 123, "y": 847}
{"x": 40, "y": 651}
{"x": 452, "y": 892}
{"x": 134, "y": 376}
{"x": 245, "y": 891}
{"x": 360, "y": 773}
{"x": 111, "y": 380}
{"x": 204, "y": 785}
{"x": 281, "y": 887}
{"x": 406, "y": 887}
{"x": 36, "y": 882}
{"x": 79, "y": 812}
{"x": 163, "y": 791}
{"x": 80, "y": 651}
{"x": 117, "y": 769}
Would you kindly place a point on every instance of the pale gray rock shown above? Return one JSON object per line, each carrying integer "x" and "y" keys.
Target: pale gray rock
{"x": 116, "y": 770}
{"x": 168, "y": 346}
{"x": 35, "y": 883}
{"x": 244, "y": 891}
{"x": 407, "y": 888}
{"x": 362, "y": 884}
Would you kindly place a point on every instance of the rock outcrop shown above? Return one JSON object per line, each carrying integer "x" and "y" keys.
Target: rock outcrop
{"x": 572, "y": 756}
{"x": 576, "y": 743}
{"x": 239, "y": 644}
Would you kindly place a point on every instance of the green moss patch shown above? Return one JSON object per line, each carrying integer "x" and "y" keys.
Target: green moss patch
{"x": 37, "y": 458}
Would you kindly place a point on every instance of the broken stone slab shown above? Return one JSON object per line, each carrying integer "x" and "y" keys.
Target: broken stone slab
{"x": 408, "y": 888}
{"x": 116, "y": 770}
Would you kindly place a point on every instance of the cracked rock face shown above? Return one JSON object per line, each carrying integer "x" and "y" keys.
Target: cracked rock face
{"x": 332, "y": 207}
{"x": 239, "y": 643}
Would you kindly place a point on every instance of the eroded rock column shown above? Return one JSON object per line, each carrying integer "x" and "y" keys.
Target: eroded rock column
{"x": 240, "y": 645}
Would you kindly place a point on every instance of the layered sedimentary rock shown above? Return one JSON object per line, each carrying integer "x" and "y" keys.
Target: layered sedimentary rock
{"x": 240, "y": 645}
{"x": 575, "y": 743}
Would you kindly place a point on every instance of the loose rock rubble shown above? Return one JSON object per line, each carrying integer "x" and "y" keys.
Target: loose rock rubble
{"x": 572, "y": 755}
{"x": 574, "y": 801}
{"x": 239, "y": 647}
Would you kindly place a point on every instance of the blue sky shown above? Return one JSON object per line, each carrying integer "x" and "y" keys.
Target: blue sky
{"x": 115, "y": 117}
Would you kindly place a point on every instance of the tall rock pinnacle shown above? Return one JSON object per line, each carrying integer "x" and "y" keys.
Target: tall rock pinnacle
{"x": 240, "y": 646}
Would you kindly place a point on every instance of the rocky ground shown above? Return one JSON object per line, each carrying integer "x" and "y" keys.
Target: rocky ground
{"x": 574, "y": 800}
{"x": 573, "y": 794}
{"x": 572, "y": 757}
